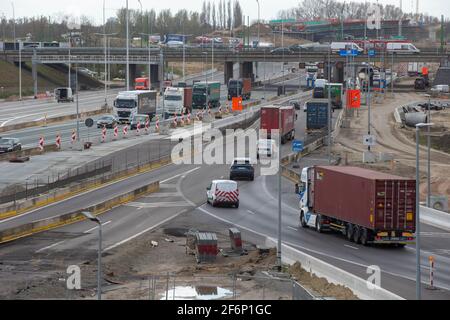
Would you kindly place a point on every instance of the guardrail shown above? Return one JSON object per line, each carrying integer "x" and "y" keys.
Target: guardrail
{"x": 434, "y": 217}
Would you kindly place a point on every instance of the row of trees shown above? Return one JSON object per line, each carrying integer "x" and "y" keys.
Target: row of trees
{"x": 214, "y": 15}
{"x": 332, "y": 9}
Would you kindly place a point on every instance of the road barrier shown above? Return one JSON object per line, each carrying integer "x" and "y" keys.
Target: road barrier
{"x": 28, "y": 152}
{"x": 359, "y": 286}
{"x": 47, "y": 121}
{"x": 76, "y": 216}
{"x": 434, "y": 217}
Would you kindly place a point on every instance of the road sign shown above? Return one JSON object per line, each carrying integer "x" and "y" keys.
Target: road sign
{"x": 369, "y": 140}
{"x": 297, "y": 146}
{"x": 89, "y": 122}
{"x": 348, "y": 53}
{"x": 371, "y": 53}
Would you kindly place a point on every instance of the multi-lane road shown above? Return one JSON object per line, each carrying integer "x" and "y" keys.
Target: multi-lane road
{"x": 183, "y": 191}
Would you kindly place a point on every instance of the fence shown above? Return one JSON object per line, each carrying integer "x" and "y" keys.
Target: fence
{"x": 134, "y": 157}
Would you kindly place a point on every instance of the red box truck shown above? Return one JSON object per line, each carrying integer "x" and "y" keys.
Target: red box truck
{"x": 270, "y": 121}
{"x": 364, "y": 205}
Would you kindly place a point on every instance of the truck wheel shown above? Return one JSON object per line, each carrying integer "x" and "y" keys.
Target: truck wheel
{"x": 237, "y": 205}
{"x": 303, "y": 220}
{"x": 319, "y": 224}
{"x": 349, "y": 232}
{"x": 356, "y": 234}
{"x": 364, "y": 237}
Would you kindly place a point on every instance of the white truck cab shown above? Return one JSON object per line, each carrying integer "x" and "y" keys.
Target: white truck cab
{"x": 174, "y": 101}
{"x": 307, "y": 217}
{"x": 223, "y": 192}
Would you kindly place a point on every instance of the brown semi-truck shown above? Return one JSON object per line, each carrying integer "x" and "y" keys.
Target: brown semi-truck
{"x": 364, "y": 205}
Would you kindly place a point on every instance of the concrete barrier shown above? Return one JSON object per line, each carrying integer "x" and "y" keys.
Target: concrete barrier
{"x": 53, "y": 120}
{"x": 435, "y": 218}
{"x": 290, "y": 255}
{"x": 68, "y": 218}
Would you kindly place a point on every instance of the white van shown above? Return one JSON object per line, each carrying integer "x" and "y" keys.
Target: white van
{"x": 266, "y": 147}
{"x": 401, "y": 48}
{"x": 338, "y": 46}
{"x": 223, "y": 192}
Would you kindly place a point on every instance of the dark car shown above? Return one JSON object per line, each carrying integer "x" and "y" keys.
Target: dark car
{"x": 242, "y": 171}
{"x": 9, "y": 145}
{"x": 281, "y": 51}
{"x": 107, "y": 121}
{"x": 138, "y": 118}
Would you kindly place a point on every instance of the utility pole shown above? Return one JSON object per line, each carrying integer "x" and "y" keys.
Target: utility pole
{"x": 329, "y": 107}
{"x": 14, "y": 24}
{"x": 259, "y": 22}
{"x": 128, "y": 50}
{"x": 279, "y": 192}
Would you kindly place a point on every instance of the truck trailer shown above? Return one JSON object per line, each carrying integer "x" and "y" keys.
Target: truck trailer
{"x": 316, "y": 115}
{"x": 206, "y": 94}
{"x": 240, "y": 88}
{"x": 366, "y": 206}
{"x": 178, "y": 100}
{"x": 129, "y": 103}
{"x": 270, "y": 121}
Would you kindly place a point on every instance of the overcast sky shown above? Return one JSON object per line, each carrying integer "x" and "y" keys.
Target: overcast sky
{"x": 93, "y": 8}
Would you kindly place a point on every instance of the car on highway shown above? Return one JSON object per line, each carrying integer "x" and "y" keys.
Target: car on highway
{"x": 108, "y": 121}
{"x": 305, "y": 107}
{"x": 223, "y": 193}
{"x": 265, "y": 148}
{"x": 138, "y": 118}
{"x": 281, "y": 50}
{"x": 244, "y": 171}
{"x": 10, "y": 145}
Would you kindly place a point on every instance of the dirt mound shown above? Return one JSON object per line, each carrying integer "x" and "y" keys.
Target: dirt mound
{"x": 320, "y": 285}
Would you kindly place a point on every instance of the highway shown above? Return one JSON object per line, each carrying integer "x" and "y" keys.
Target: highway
{"x": 183, "y": 192}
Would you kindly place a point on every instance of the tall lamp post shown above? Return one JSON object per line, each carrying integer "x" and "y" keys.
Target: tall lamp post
{"x": 14, "y": 23}
{"x": 418, "y": 268}
{"x": 259, "y": 22}
{"x": 95, "y": 219}
{"x": 429, "y": 153}
{"x": 128, "y": 50}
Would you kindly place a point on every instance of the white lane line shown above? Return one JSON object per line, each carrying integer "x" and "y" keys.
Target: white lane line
{"x": 141, "y": 205}
{"x": 179, "y": 175}
{"x": 292, "y": 228}
{"x": 50, "y": 246}
{"x": 163, "y": 194}
{"x": 250, "y": 211}
{"x": 144, "y": 231}
{"x": 103, "y": 224}
{"x": 351, "y": 247}
{"x": 16, "y": 118}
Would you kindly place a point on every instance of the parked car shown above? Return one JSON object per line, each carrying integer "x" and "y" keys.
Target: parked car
{"x": 10, "y": 145}
{"x": 223, "y": 192}
{"x": 108, "y": 121}
{"x": 281, "y": 51}
{"x": 242, "y": 171}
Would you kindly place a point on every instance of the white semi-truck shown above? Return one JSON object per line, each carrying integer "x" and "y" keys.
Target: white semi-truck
{"x": 177, "y": 100}
{"x": 130, "y": 103}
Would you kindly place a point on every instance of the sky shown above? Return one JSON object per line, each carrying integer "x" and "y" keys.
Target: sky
{"x": 94, "y": 8}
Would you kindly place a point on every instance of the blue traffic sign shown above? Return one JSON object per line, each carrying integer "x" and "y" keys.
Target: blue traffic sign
{"x": 297, "y": 146}
{"x": 371, "y": 53}
{"x": 348, "y": 53}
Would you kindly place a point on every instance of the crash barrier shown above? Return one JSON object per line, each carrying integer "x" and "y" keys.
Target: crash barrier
{"x": 46, "y": 121}
{"x": 54, "y": 195}
{"x": 360, "y": 287}
{"x": 434, "y": 217}
{"x": 68, "y": 218}
{"x": 28, "y": 152}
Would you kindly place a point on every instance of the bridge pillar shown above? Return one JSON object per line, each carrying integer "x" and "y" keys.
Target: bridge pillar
{"x": 154, "y": 75}
{"x": 246, "y": 70}
{"x": 228, "y": 71}
{"x": 34, "y": 74}
{"x": 133, "y": 73}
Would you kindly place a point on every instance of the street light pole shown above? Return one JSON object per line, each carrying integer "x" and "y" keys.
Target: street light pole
{"x": 329, "y": 107}
{"x": 279, "y": 192}
{"x": 14, "y": 23}
{"x": 78, "y": 112}
{"x": 259, "y": 22}
{"x": 429, "y": 154}
{"x": 20, "y": 71}
{"x": 128, "y": 51}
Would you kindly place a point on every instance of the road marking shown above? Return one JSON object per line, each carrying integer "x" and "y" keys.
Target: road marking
{"x": 179, "y": 175}
{"x": 141, "y": 205}
{"x": 250, "y": 211}
{"x": 144, "y": 231}
{"x": 351, "y": 247}
{"x": 435, "y": 234}
{"x": 163, "y": 194}
{"x": 292, "y": 228}
{"x": 15, "y": 118}
{"x": 50, "y": 246}
{"x": 103, "y": 224}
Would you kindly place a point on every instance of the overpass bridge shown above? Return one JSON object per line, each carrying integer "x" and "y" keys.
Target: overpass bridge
{"x": 158, "y": 57}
